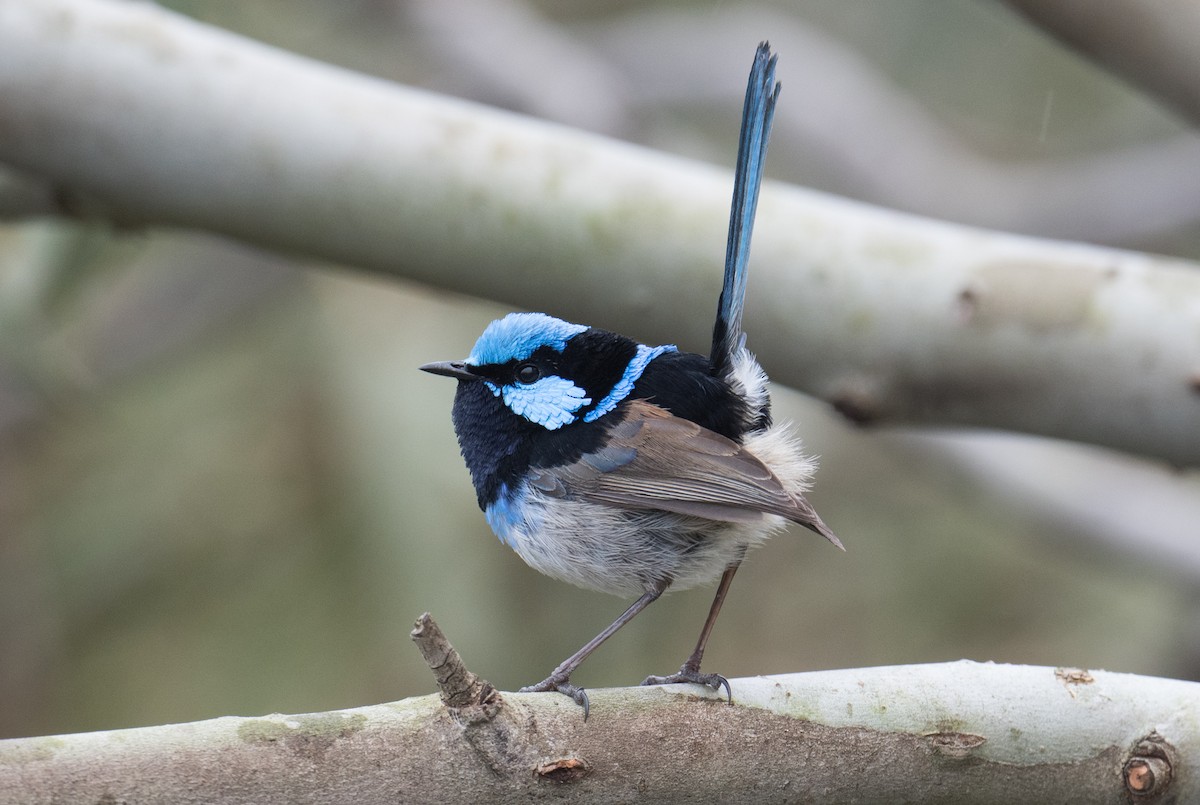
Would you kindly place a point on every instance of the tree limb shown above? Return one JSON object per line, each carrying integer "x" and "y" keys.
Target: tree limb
{"x": 959, "y": 732}
{"x": 150, "y": 118}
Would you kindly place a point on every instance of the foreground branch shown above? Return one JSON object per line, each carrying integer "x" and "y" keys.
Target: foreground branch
{"x": 959, "y": 732}
{"x": 143, "y": 116}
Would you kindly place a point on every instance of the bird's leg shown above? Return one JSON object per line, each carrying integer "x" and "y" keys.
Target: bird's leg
{"x": 559, "y": 680}
{"x": 690, "y": 670}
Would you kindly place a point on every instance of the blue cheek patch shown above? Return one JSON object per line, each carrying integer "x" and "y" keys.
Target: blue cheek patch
{"x": 551, "y": 402}
{"x": 633, "y": 371}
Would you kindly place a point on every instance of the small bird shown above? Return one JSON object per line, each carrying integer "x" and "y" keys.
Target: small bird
{"x": 632, "y": 469}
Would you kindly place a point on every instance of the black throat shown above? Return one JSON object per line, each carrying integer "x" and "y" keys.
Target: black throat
{"x": 499, "y": 446}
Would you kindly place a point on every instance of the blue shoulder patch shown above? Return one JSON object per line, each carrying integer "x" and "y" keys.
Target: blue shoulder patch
{"x": 633, "y": 371}
{"x": 516, "y": 336}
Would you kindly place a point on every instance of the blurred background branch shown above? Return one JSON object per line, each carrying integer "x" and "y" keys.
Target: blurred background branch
{"x": 347, "y": 168}
{"x": 1154, "y": 45}
{"x": 24, "y": 197}
{"x": 220, "y": 472}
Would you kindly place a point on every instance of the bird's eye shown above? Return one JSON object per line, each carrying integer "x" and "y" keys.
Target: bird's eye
{"x": 528, "y": 373}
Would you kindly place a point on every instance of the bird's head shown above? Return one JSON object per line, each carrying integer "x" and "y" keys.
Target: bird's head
{"x": 551, "y": 372}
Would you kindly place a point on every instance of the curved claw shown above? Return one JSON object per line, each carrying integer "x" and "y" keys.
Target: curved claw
{"x": 685, "y": 675}
{"x": 562, "y": 685}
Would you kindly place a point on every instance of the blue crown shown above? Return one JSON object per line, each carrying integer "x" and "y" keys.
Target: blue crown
{"x": 518, "y": 335}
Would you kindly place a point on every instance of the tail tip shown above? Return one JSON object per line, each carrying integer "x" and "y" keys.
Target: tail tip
{"x": 819, "y": 526}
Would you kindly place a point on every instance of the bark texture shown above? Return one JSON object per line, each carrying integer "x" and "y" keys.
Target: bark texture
{"x": 960, "y": 732}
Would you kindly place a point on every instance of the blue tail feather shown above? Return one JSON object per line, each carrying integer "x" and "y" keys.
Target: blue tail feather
{"x": 757, "y": 115}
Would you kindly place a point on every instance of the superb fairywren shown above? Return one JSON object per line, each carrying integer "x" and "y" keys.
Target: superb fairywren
{"x": 630, "y": 469}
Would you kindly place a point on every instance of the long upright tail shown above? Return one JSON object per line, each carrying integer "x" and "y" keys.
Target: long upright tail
{"x": 757, "y": 114}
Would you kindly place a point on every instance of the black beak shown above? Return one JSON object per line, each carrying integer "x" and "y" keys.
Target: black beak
{"x": 455, "y": 369}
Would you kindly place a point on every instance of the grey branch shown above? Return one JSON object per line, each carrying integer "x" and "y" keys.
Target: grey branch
{"x": 959, "y": 732}
{"x": 148, "y": 118}
{"x": 460, "y": 688}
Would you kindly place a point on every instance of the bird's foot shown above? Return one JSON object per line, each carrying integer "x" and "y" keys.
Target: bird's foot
{"x": 689, "y": 674}
{"x": 561, "y": 684}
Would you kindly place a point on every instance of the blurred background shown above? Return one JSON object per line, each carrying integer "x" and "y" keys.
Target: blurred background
{"x": 225, "y": 489}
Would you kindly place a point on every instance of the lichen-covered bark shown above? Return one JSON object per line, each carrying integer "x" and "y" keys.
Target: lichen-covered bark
{"x": 955, "y": 732}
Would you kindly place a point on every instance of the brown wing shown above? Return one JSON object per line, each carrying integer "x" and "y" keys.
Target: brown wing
{"x": 654, "y": 460}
